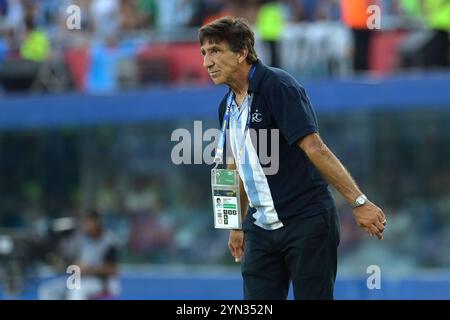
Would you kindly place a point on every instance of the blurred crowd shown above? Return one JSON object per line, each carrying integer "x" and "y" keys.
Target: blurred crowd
{"x": 111, "y": 17}
{"x": 105, "y": 44}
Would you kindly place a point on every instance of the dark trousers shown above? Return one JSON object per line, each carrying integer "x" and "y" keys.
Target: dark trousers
{"x": 274, "y": 48}
{"x": 436, "y": 51}
{"x": 304, "y": 251}
{"x": 361, "y": 54}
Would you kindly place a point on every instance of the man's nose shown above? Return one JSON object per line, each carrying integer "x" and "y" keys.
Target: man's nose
{"x": 207, "y": 62}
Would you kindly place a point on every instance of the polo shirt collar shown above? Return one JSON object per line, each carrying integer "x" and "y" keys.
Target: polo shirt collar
{"x": 255, "y": 82}
{"x": 237, "y": 112}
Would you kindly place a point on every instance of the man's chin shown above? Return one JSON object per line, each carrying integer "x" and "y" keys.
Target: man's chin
{"x": 217, "y": 80}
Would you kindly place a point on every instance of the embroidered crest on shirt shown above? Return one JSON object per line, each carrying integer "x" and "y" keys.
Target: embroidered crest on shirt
{"x": 256, "y": 116}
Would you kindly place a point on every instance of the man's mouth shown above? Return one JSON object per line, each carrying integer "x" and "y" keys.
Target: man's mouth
{"x": 213, "y": 73}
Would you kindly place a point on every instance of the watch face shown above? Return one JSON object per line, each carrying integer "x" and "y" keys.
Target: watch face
{"x": 361, "y": 200}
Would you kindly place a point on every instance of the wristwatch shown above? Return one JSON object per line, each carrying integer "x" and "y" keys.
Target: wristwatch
{"x": 360, "y": 201}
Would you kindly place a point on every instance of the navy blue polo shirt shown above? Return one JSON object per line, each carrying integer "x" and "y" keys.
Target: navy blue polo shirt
{"x": 280, "y": 105}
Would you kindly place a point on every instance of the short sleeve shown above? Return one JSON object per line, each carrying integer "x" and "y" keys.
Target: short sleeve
{"x": 292, "y": 111}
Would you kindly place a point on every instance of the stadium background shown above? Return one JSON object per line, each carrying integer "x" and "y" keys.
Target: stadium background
{"x": 86, "y": 118}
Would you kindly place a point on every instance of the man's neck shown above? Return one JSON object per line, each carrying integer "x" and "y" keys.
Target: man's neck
{"x": 239, "y": 85}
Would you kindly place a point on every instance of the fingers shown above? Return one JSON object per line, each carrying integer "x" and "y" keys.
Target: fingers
{"x": 372, "y": 219}
{"x": 236, "y": 250}
{"x": 238, "y": 256}
{"x": 382, "y": 219}
{"x": 369, "y": 231}
{"x": 232, "y": 250}
{"x": 376, "y": 231}
{"x": 379, "y": 226}
{"x": 379, "y": 236}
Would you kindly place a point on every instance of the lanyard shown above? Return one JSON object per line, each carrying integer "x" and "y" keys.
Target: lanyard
{"x": 226, "y": 119}
{"x": 247, "y": 126}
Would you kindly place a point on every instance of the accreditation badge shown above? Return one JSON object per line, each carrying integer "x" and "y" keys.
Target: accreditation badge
{"x": 226, "y": 199}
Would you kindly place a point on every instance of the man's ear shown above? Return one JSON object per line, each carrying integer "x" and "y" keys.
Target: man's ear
{"x": 242, "y": 55}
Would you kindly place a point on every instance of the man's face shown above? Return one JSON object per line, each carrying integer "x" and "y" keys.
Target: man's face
{"x": 91, "y": 227}
{"x": 220, "y": 62}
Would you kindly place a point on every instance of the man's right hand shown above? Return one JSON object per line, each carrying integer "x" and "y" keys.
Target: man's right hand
{"x": 236, "y": 244}
{"x": 371, "y": 218}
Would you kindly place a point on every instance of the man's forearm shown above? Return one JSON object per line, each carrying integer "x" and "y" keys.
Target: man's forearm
{"x": 334, "y": 172}
{"x": 369, "y": 217}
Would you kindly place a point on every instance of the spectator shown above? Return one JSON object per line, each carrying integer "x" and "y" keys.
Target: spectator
{"x": 96, "y": 256}
{"x": 354, "y": 15}
{"x": 36, "y": 46}
{"x": 270, "y": 23}
{"x": 105, "y": 17}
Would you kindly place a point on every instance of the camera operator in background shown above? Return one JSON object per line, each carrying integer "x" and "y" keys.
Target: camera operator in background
{"x": 95, "y": 253}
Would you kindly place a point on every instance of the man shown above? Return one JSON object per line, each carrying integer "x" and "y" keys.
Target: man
{"x": 270, "y": 23}
{"x": 355, "y": 16}
{"x": 292, "y": 231}
{"x": 95, "y": 253}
